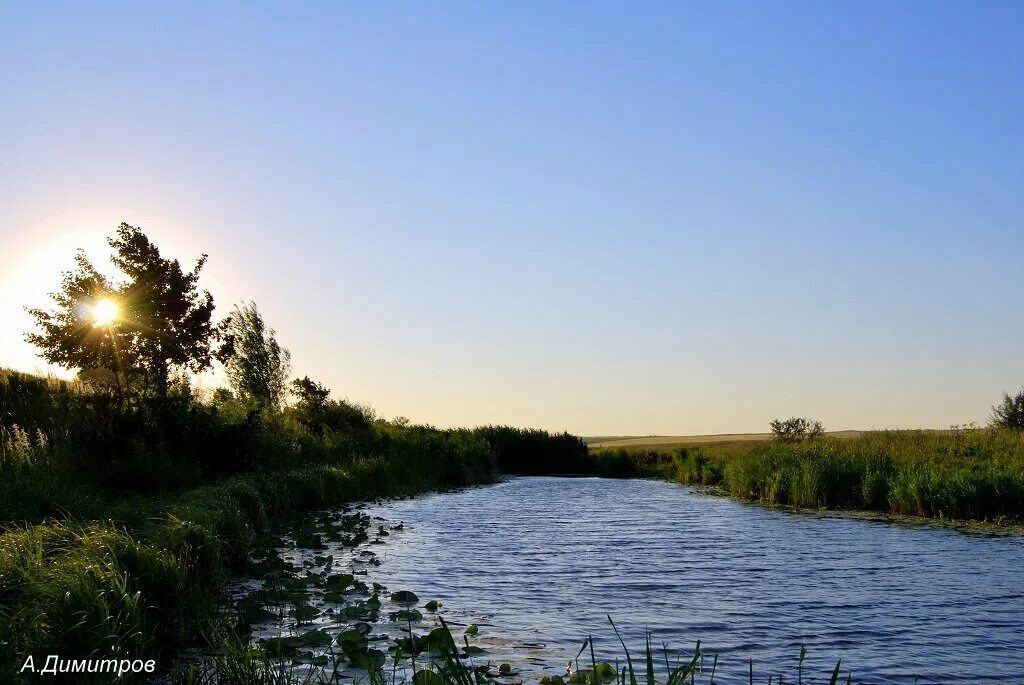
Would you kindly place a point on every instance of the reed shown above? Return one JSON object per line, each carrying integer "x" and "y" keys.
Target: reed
{"x": 965, "y": 473}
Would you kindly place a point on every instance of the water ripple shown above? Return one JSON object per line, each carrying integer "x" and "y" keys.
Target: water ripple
{"x": 546, "y": 558}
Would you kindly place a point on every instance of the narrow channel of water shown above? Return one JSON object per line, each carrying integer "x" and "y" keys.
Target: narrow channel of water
{"x": 538, "y": 563}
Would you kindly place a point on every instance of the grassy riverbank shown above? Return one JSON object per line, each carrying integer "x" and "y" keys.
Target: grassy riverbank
{"x": 119, "y": 521}
{"x": 970, "y": 474}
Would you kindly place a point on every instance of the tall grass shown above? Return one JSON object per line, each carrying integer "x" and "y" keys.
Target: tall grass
{"x": 141, "y": 583}
{"x": 110, "y": 544}
{"x": 969, "y": 473}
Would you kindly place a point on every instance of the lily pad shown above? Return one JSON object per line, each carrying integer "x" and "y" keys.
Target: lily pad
{"x": 314, "y": 638}
{"x": 404, "y": 597}
{"x": 351, "y": 636}
{"x": 439, "y": 639}
{"x": 279, "y": 646}
{"x": 371, "y": 660}
{"x": 432, "y": 605}
{"x": 406, "y": 615}
{"x": 472, "y": 629}
{"x": 339, "y": 581}
{"x": 304, "y": 612}
{"x": 426, "y": 677}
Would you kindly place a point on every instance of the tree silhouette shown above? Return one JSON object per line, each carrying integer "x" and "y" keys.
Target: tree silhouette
{"x": 257, "y": 366}
{"x": 157, "y": 321}
{"x": 796, "y": 429}
{"x": 1010, "y": 412}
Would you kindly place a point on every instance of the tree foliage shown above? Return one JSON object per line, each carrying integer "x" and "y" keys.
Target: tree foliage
{"x": 319, "y": 414}
{"x": 796, "y": 429}
{"x": 163, "y": 323}
{"x": 1010, "y": 412}
{"x": 257, "y": 366}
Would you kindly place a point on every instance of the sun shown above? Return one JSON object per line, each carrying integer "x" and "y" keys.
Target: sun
{"x": 104, "y": 312}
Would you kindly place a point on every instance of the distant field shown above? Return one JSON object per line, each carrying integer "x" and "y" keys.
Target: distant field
{"x": 669, "y": 441}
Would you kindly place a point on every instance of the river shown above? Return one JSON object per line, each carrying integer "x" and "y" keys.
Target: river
{"x": 538, "y": 564}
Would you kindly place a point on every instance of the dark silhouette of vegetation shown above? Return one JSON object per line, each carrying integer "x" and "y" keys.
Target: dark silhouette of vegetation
{"x": 536, "y": 452}
{"x": 127, "y": 496}
{"x": 154, "y": 323}
{"x": 796, "y": 429}
{"x": 257, "y": 366}
{"x": 318, "y": 413}
{"x": 1010, "y": 412}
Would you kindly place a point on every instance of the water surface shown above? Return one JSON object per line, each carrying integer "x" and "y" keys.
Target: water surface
{"x": 539, "y": 562}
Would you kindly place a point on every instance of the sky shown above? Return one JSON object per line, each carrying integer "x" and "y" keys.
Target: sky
{"x": 607, "y": 218}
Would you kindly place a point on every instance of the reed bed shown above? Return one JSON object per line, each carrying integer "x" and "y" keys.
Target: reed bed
{"x": 966, "y": 473}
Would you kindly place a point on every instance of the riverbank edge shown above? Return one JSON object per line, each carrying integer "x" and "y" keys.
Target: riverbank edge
{"x": 1008, "y": 528}
{"x": 143, "y": 582}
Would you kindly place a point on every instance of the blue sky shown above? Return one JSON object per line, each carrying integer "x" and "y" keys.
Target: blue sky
{"x": 665, "y": 218}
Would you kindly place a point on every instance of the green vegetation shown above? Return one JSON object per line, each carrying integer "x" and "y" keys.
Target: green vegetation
{"x": 140, "y": 330}
{"x": 796, "y": 429}
{"x": 140, "y": 576}
{"x": 127, "y": 497}
{"x": 1009, "y": 413}
{"x": 968, "y": 473}
{"x": 443, "y": 662}
{"x": 537, "y": 452}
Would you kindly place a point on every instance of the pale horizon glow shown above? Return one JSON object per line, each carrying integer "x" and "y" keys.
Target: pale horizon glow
{"x": 678, "y": 218}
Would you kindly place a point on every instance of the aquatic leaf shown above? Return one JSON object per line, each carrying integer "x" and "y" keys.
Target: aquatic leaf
{"x": 310, "y": 541}
{"x": 372, "y": 660}
{"x": 412, "y": 645}
{"x": 432, "y": 605}
{"x": 339, "y": 581}
{"x": 351, "y": 636}
{"x": 425, "y": 677}
{"x": 304, "y": 612}
{"x": 505, "y": 669}
{"x": 439, "y": 639}
{"x": 404, "y": 597}
{"x": 473, "y": 629}
{"x": 279, "y": 646}
{"x": 313, "y": 638}
{"x": 406, "y": 615}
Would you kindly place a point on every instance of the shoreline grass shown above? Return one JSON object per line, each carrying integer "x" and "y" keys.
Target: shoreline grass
{"x": 119, "y": 522}
{"x": 143, "y": 583}
{"x": 969, "y": 474}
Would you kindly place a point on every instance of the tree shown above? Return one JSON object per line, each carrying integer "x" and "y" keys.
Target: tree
{"x": 143, "y": 328}
{"x": 1010, "y": 412}
{"x": 796, "y": 429}
{"x": 257, "y": 366}
{"x": 310, "y": 392}
{"x": 318, "y": 413}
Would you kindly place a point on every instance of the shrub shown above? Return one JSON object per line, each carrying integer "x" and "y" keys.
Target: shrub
{"x": 796, "y": 429}
{"x": 1010, "y": 412}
